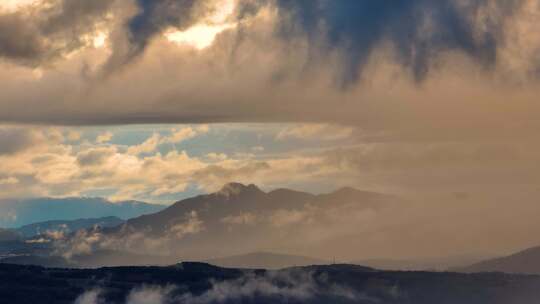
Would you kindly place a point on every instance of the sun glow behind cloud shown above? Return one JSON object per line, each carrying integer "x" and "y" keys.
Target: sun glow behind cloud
{"x": 202, "y": 35}
{"x": 199, "y": 36}
{"x": 13, "y": 5}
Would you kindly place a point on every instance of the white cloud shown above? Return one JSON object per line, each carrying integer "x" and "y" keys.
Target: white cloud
{"x": 148, "y": 146}
{"x": 176, "y": 136}
{"x": 89, "y": 297}
{"x": 183, "y": 134}
{"x": 192, "y": 225}
{"x": 315, "y": 132}
{"x": 149, "y": 295}
{"x": 8, "y": 181}
{"x": 73, "y": 135}
{"x": 104, "y": 137}
{"x": 282, "y": 218}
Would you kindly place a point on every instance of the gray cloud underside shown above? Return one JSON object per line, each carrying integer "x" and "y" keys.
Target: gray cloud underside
{"x": 383, "y": 65}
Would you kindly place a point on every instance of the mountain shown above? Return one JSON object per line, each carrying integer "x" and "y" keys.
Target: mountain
{"x": 32, "y": 230}
{"x": 239, "y": 199}
{"x": 206, "y": 284}
{"x": 17, "y": 213}
{"x": 419, "y": 264}
{"x": 7, "y": 235}
{"x": 265, "y": 260}
{"x": 243, "y": 218}
{"x": 525, "y": 262}
{"x": 103, "y": 258}
{"x": 237, "y": 218}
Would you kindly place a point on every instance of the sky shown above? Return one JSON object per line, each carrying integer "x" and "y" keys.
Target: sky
{"x": 158, "y": 100}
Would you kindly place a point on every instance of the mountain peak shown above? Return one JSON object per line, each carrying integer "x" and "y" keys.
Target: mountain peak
{"x": 233, "y": 189}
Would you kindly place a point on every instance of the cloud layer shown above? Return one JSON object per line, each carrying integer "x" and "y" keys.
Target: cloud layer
{"x": 377, "y": 65}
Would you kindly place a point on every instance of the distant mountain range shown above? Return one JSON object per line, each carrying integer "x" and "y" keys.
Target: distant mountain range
{"x": 205, "y": 284}
{"x": 265, "y": 260}
{"x": 67, "y": 227}
{"x": 526, "y": 262}
{"x": 419, "y": 264}
{"x": 238, "y": 218}
{"x": 17, "y": 213}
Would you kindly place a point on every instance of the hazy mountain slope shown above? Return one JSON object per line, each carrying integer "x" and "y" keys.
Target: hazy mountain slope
{"x": 25, "y": 212}
{"x": 238, "y": 218}
{"x": 68, "y": 226}
{"x": 419, "y": 264}
{"x": 526, "y": 262}
{"x": 265, "y": 260}
{"x": 243, "y": 218}
{"x": 237, "y": 199}
{"x": 206, "y": 284}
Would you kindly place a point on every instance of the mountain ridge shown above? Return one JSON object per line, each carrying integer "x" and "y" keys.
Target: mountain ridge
{"x": 265, "y": 260}
{"x": 67, "y": 226}
{"x": 28, "y": 211}
{"x": 525, "y": 262}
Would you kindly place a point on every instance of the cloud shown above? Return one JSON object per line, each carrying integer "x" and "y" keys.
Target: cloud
{"x": 418, "y": 30}
{"x": 183, "y": 134}
{"x": 152, "y": 19}
{"x": 288, "y": 286}
{"x": 9, "y": 181}
{"x": 193, "y": 225}
{"x": 73, "y": 135}
{"x": 289, "y": 217}
{"x": 415, "y": 67}
{"x": 148, "y": 146}
{"x": 125, "y": 239}
{"x": 176, "y": 136}
{"x": 49, "y": 30}
{"x": 245, "y": 218}
{"x": 89, "y": 297}
{"x": 315, "y": 132}
{"x": 15, "y": 140}
{"x": 95, "y": 157}
{"x": 149, "y": 295}
{"x": 283, "y": 286}
{"x": 104, "y": 137}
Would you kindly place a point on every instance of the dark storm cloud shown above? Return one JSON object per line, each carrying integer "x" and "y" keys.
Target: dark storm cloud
{"x": 39, "y": 34}
{"x": 419, "y": 30}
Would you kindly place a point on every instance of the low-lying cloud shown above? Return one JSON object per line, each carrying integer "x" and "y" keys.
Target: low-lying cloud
{"x": 125, "y": 240}
{"x": 283, "y": 287}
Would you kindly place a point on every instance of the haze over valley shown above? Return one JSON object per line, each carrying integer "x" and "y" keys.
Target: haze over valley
{"x": 269, "y": 151}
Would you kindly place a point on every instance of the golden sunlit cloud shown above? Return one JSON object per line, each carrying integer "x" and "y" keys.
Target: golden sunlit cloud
{"x": 202, "y": 35}
{"x": 13, "y": 5}
{"x": 99, "y": 40}
{"x": 199, "y": 36}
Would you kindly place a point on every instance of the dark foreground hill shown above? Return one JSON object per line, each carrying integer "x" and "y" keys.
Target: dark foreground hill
{"x": 203, "y": 283}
